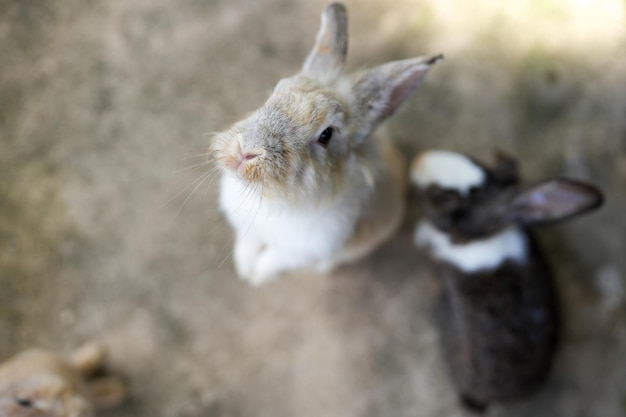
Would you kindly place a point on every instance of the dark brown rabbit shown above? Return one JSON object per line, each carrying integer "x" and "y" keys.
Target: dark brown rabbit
{"x": 498, "y": 312}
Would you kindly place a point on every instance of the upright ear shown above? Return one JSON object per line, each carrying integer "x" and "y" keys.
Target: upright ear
{"x": 89, "y": 358}
{"x": 331, "y": 45}
{"x": 381, "y": 91}
{"x": 553, "y": 201}
{"x": 504, "y": 168}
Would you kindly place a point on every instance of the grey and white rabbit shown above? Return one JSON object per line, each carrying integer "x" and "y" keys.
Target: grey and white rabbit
{"x": 498, "y": 309}
{"x": 39, "y": 383}
{"x": 305, "y": 182}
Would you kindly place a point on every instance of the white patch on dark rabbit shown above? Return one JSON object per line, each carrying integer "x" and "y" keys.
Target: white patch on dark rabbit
{"x": 479, "y": 255}
{"x": 447, "y": 170}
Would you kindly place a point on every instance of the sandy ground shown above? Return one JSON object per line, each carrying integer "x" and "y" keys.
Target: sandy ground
{"x": 105, "y": 107}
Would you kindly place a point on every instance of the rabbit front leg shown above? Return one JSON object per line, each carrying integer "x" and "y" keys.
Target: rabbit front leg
{"x": 268, "y": 266}
{"x": 272, "y": 262}
{"x": 245, "y": 253}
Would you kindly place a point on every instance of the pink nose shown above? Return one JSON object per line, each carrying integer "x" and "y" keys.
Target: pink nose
{"x": 248, "y": 156}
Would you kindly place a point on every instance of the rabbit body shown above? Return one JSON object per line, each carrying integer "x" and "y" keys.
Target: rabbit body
{"x": 498, "y": 327}
{"x": 305, "y": 181}
{"x": 276, "y": 234}
{"x": 38, "y": 383}
{"x": 498, "y": 308}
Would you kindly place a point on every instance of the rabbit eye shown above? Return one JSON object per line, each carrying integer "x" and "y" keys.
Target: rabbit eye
{"x": 443, "y": 199}
{"x": 24, "y": 402}
{"x": 326, "y": 136}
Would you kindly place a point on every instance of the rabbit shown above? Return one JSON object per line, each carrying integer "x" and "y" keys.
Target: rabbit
{"x": 304, "y": 181}
{"x": 498, "y": 307}
{"x": 39, "y": 383}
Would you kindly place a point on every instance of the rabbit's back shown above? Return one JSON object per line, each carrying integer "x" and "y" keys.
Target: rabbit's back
{"x": 499, "y": 329}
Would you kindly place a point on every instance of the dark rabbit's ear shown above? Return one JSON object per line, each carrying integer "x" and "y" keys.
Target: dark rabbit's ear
{"x": 552, "y": 201}
{"x": 505, "y": 169}
{"x": 331, "y": 45}
{"x": 381, "y": 91}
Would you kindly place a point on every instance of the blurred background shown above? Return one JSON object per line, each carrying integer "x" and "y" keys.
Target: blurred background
{"x": 106, "y": 107}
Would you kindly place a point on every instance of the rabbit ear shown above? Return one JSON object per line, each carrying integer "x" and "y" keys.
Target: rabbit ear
{"x": 383, "y": 89}
{"x": 331, "y": 45}
{"x": 552, "y": 201}
{"x": 504, "y": 169}
{"x": 89, "y": 358}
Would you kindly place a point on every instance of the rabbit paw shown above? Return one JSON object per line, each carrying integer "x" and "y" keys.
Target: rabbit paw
{"x": 325, "y": 267}
{"x": 245, "y": 254}
{"x": 268, "y": 266}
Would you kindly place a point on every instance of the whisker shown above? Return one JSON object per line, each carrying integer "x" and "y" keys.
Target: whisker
{"x": 245, "y": 194}
{"x": 229, "y": 254}
{"x": 256, "y": 212}
{"x": 208, "y": 186}
{"x": 248, "y": 191}
{"x": 204, "y": 178}
{"x": 199, "y": 155}
{"x": 200, "y": 178}
{"x": 176, "y": 171}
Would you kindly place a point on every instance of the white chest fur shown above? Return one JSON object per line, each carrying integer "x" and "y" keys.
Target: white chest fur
{"x": 485, "y": 254}
{"x": 313, "y": 231}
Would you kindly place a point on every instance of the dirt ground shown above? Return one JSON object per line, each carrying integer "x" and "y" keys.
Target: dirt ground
{"x": 106, "y": 107}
